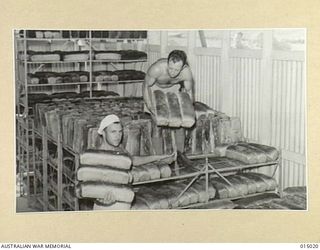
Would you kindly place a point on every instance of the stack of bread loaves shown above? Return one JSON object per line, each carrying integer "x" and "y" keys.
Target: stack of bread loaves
{"x": 104, "y": 176}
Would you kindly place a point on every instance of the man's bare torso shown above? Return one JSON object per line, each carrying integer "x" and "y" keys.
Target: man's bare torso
{"x": 162, "y": 79}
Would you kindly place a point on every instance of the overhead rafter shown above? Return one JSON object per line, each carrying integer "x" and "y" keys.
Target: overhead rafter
{"x": 202, "y": 39}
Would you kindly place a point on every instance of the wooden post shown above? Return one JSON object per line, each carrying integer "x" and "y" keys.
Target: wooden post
{"x": 26, "y": 107}
{"x": 163, "y": 43}
{"x": 202, "y": 39}
{"x": 19, "y": 153}
{"x": 34, "y": 160}
{"x": 45, "y": 168}
{"x": 266, "y": 89}
{"x": 265, "y": 95}
{"x": 280, "y": 175}
{"x": 27, "y": 163}
{"x": 77, "y": 164}
{"x": 225, "y": 87}
{"x": 191, "y": 46}
{"x": 90, "y": 64}
{"x": 60, "y": 164}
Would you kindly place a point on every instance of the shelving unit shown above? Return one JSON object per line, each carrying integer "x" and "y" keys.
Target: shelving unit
{"x": 58, "y": 185}
{"x": 58, "y": 180}
{"x": 32, "y": 167}
{"x": 23, "y": 67}
{"x": 27, "y": 158}
{"x": 220, "y": 171}
{"x": 52, "y": 182}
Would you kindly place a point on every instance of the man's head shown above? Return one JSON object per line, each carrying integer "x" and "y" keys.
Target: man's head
{"x": 177, "y": 59}
{"x": 111, "y": 130}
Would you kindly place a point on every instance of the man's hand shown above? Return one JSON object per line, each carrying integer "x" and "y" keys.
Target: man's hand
{"x": 108, "y": 199}
{"x": 168, "y": 159}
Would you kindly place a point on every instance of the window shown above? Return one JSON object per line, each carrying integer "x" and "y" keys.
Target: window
{"x": 177, "y": 38}
{"x": 213, "y": 38}
{"x": 289, "y": 39}
{"x": 246, "y": 39}
{"x": 154, "y": 37}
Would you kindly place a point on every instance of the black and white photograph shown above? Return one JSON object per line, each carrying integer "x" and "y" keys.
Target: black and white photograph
{"x": 200, "y": 119}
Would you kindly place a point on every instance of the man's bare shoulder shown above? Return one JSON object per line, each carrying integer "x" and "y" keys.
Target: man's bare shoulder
{"x": 157, "y": 67}
{"x": 186, "y": 73}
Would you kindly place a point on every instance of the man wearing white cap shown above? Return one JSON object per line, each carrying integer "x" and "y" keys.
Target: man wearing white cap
{"x": 111, "y": 131}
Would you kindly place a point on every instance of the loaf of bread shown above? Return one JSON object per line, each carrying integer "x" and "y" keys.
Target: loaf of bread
{"x": 153, "y": 170}
{"x": 115, "y": 206}
{"x": 45, "y": 56}
{"x": 187, "y": 110}
{"x": 139, "y": 174}
{"x": 242, "y": 153}
{"x": 103, "y": 157}
{"x": 203, "y": 109}
{"x": 271, "y": 153}
{"x": 107, "y": 55}
{"x": 152, "y": 198}
{"x": 98, "y": 190}
{"x": 103, "y": 173}
{"x": 132, "y": 139}
{"x": 165, "y": 170}
{"x": 161, "y": 108}
{"x": 174, "y": 110}
{"x": 139, "y": 204}
{"x": 241, "y": 186}
{"x": 75, "y": 55}
{"x": 270, "y": 182}
{"x": 221, "y": 188}
{"x": 251, "y": 185}
{"x": 261, "y": 186}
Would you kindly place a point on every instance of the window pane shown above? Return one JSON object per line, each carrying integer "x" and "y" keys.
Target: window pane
{"x": 213, "y": 38}
{"x": 154, "y": 37}
{"x": 246, "y": 39}
{"x": 177, "y": 38}
{"x": 289, "y": 39}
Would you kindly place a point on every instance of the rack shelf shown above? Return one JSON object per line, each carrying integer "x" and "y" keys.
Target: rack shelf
{"x": 25, "y": 65}
{"x": 52, "y": 140}
{"x": 63, "y": 178}
{"x": 76, "y": 39}
{"x": 119, "y": 61}
{"x": 82, "y": 61}
{"x": 85, "y": 83}
{"x": 198, "y": 173}
{"x": 221, "y": 171}
{"x": 59, "y": 84}
{"x": 52, "y": 62}
{"x": 215, "y": 201}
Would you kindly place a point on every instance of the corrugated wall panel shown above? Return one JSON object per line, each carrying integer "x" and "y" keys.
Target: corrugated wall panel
{"x": 288, "y": 117}
{"x": 246, "y": 82}
{"x": 293, "y": 174}
{"x": 207, "y": 77}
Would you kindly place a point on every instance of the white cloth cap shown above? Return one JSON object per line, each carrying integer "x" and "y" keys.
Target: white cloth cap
{"x": 109, "y": 119}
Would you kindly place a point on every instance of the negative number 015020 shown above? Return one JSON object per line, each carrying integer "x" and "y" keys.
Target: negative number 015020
{"x": 309, "y": 245}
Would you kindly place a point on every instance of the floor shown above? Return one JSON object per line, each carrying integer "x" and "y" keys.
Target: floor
{"x": 294, "y": 198}
{"x": 22, "y": 206}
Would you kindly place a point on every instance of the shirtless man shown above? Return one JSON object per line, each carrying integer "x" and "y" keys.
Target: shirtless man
{"x": 172, "y": 74}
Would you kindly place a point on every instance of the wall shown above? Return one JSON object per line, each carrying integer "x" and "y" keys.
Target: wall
{"x": 265, "y": 88}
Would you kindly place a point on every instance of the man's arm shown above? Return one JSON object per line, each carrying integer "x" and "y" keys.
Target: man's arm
{"x": 141, "y": 160}
{"x": 188, "y": 83}
{"x": 149, "y": 81}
